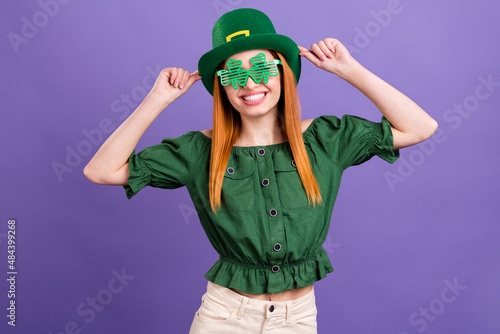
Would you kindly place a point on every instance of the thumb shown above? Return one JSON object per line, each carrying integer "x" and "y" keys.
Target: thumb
{"x": 309, "y": 55}
{"x": 193, "y": 77}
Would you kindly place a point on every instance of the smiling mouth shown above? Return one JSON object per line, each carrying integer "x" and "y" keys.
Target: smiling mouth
{"x": 254, "y": 97}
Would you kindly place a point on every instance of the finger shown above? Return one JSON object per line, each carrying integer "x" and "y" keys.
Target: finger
{"x": 302, "y": 49}
{"x": 180, "y": 73}
{"x": 309, "y": 55}
{"x": 173, "y": 75}
{"x": 184, "y": 79}
{"x": 166, "y": 72}
{"x": 196, "y": 75}
{"x": 317, "y": 51}
{"x": 192, "y": 79}
{"x": 331, "y": 44}
{"x": 180, "y": 77}
{"x": 325, "y": 49}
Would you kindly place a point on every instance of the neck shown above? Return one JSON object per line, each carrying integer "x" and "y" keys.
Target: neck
{"x": 260, "y": 131}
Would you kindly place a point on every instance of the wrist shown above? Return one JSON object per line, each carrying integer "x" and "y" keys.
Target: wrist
{"x": 158, "y": 99}
{"x": 350, "y": 70}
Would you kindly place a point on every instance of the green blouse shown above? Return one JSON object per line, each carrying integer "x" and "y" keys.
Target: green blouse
{"x": 267, "y": 235}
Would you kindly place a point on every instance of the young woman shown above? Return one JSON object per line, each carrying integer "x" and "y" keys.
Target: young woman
{"x": 263, "y": 181}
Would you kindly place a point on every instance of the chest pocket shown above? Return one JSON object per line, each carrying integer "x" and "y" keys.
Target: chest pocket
{"x": 238, "y": 186}
{"x": 291, "y": 191}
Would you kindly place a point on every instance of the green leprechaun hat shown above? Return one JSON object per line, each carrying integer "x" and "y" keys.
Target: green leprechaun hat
{"x": 241, "y": 30}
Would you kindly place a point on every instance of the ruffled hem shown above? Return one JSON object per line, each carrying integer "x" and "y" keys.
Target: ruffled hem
{"x": 139, "y": 175}
{"x": 383, "y": 142}
{"x": 260, "y": 279}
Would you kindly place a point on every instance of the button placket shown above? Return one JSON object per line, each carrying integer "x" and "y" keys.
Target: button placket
{"x": 261, "y": 152}
{"x": 273, "y": 209}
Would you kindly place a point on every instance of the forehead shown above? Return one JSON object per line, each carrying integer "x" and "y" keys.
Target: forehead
{"x": 246, "y": 55}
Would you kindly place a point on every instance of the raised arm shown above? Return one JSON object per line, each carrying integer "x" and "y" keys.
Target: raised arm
{"x": 410, "y": 123}
{"x": 110, "y": 163}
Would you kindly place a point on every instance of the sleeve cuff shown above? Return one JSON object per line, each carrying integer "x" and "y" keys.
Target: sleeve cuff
{"x": 383, "y": 142}
{"x": 139, "y": 175}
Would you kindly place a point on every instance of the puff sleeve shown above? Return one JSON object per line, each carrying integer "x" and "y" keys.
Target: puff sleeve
{"x": 352, "y": 140}
{"x": 167, "y": 165}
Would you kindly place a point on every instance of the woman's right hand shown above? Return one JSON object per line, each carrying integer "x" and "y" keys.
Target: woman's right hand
{"x": 110, "y": 163}
{"x": 173, "y": 82}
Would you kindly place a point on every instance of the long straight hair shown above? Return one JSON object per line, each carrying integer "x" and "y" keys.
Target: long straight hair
{"x": 226, "y": 131}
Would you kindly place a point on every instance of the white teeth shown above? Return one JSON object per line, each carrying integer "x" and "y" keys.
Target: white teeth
{"x": 254, "y": 97}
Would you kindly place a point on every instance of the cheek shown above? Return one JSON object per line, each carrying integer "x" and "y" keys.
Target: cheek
{"x": 277, "y": 86}
{"x": 278, "y": 81}
{"x": 231, "y": 94}
{"x": 232, "y": 97}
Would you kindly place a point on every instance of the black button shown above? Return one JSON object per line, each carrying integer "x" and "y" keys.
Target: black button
{"x": 275, "y": 268}
{"x": 265, "y": 182}
{"x": 273, "y": 212}
{"x": 293, "y": 163}
{"x": 261, "y": 151}
{"x": 271, "y": 308}
{"x": 277, "y": 247}
{"x": 230, "y": 170}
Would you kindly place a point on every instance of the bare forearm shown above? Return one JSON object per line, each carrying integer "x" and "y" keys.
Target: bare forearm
{"x": 110, "y": 164}
{"x": 403, "y": 114}
{"x": 114, "y": 152}
{"x": 410, "y": 124}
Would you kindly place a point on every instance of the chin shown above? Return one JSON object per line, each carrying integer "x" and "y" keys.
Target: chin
{"x": 256, "y": 111}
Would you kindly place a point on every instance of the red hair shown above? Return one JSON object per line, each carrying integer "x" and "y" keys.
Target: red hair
{"x": 226, "y": 131}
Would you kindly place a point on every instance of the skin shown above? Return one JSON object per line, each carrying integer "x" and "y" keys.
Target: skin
{"x": 409, "y": 123}
{"x": 259, "y": 119}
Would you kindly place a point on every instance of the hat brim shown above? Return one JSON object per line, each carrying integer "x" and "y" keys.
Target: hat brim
{"x": 209, "y": 61}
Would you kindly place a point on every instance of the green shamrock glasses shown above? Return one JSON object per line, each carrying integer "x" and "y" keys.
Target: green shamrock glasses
{"x": 261, "y": 71}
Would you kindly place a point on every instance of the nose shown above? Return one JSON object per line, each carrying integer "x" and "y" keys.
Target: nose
{"x": 250, "y": 84}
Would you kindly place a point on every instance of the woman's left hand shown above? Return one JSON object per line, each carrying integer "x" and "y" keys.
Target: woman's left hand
{"x": 329, "y": 55}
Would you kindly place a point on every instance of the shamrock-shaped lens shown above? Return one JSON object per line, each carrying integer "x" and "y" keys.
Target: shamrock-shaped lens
{"x": 260, "y": 72}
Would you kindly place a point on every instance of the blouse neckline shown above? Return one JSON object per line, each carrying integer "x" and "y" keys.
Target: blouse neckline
{"x": 282, "y": 144}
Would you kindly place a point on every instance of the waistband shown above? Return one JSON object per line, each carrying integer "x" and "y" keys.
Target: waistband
{"x": 267, "y": 308}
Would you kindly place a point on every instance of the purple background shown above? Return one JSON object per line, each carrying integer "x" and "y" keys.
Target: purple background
{"x": 393, "y": 245}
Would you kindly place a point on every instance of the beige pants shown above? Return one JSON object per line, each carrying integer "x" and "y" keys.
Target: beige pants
{"x": 224, "y": 311}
